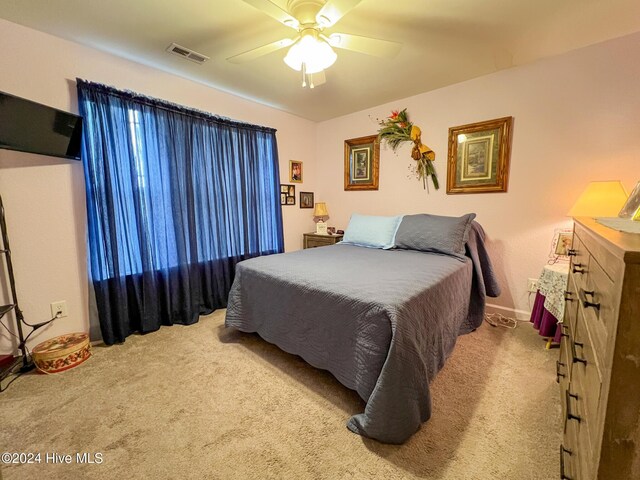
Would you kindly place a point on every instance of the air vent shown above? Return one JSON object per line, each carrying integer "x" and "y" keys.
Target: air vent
{"x": 187, "y": 53}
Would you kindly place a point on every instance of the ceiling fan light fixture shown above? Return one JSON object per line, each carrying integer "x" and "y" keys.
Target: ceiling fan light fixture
{"x": 313, "y": 52}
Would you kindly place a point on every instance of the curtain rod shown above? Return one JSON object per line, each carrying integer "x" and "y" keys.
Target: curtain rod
{"x": 172, "y": 107}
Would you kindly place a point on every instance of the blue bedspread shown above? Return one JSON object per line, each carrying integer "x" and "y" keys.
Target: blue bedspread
{"x": 383, "y": 322}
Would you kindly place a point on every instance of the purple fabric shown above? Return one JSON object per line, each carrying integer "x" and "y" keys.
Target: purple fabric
{"x": 543, "y": 320}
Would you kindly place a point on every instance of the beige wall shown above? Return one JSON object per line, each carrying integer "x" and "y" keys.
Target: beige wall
{"x": 44, "y": 197}
{"x": 576, "y": 119}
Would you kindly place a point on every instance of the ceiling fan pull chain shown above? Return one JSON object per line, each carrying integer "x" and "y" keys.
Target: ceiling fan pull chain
{"x": 304, "y": 75}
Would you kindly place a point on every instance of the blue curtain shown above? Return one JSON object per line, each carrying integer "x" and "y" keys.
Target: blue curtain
{"x": 175, "y": 198}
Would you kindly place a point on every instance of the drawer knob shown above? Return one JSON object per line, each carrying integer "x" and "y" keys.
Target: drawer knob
{"x": 572, "y": 252}
{"x": 591, "y": 304}
{"x": 586, "y": 303}
{"x": 567, "y": 296}
{"x": 578, "y": 268}
{"x": 563, "y": 450}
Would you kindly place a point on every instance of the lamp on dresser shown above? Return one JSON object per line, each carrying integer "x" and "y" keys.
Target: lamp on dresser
{"x": 320, "y": 215}
{"x": 600, "y": 199}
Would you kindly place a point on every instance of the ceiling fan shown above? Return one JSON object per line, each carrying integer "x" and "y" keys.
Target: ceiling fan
{"x": 310, "y": 51}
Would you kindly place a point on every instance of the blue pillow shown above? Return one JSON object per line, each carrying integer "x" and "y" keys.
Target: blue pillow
{"x": 434, "y": 233}
{"x": 372, "y": 231}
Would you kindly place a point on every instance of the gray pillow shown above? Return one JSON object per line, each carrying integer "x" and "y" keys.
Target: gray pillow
{"x": 434, "y": 233}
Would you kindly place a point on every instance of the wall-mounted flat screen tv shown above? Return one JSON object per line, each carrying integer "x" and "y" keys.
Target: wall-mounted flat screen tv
{"x": 28, "y": 126}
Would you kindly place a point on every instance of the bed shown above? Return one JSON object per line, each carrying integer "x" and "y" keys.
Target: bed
{"x": 383, "y": 322}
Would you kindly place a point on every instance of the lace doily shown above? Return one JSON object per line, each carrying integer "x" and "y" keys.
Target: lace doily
{"x": 552, "y": 284}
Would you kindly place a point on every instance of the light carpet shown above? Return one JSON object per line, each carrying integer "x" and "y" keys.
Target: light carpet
{"x": 208, "y": 402}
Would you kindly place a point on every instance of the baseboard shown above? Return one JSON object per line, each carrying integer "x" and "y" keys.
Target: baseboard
{"x": 508, "y": 312}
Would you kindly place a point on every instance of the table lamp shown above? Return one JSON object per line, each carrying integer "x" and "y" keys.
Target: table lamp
{"x": 600, "y": 199}
{"x": 320, "y": 214}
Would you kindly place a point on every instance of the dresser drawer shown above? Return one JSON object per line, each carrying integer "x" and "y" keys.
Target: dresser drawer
{"x": 570, "y": 454}
{"x": 564, "y": 363}
{"x": 571, "y": 303}
{"x": 318, "y": 242}
{"x": 576, "y": 430}
{"x": 588, "y": 376}
{"x": 312, "y": 240}
{"x": 579, "y": 262}
{"x": 597, "y": 305}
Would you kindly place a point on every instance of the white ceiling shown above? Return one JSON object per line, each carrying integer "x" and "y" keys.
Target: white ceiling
{"x": 444, "y": 42}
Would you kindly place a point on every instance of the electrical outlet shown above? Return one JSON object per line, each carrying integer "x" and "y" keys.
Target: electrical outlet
{"x": 59, "y": 307}
{"x": 532, "y": 285}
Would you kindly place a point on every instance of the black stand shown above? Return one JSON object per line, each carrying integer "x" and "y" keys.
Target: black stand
{"x": 27, "y": 364}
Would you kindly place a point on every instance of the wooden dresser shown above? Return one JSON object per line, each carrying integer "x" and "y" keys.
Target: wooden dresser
{"x": 599, "y": 365}
{"x": 313, "y": 240}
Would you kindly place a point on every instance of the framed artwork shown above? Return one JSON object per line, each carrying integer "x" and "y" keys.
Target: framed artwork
{"x": 631, "y": 209}
{"x": 306, "y": 199}
{"x": 479, "y": 155}
{"x": 287, "y": 194}
{"x": 295, "y": 171}
{"x": 361, "y": 163}
{"x": 560, "y": 246}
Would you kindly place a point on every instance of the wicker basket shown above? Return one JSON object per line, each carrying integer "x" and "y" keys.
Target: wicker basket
{"x": 62, "y": 353}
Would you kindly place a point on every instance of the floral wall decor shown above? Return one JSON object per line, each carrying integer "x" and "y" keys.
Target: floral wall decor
{"x": 395, "y": 130}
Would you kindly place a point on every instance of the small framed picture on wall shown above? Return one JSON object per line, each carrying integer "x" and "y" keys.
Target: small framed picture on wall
{"x": 479, "y": 156}
{"x": 306, "y": 199}
{"x": 287, "y": 194}
{"x": 295, "y": 171}
{"x": 361, "y": 163}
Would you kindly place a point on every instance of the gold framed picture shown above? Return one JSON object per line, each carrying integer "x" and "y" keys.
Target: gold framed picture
{"x": 479, "y": 156}
{"x": 361, "y": 163}
{"x": 295, "y": 171}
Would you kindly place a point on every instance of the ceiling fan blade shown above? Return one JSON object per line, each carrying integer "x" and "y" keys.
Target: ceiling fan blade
{"x": 334, "y": 10}
{"x": 366, "y": 45}
{"x": 260, "y": 51}
{"x": 274, "y": 11}
{"x": 317, "y": 79}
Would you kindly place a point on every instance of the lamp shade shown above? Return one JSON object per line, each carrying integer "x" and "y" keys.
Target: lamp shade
{"x": 600, "y": 199}
{"x": 321, "y": 210}
{"x": 313, "y": 52}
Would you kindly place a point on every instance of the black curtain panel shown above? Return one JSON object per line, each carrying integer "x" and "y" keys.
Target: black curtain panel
{"x": 175, "y": 198}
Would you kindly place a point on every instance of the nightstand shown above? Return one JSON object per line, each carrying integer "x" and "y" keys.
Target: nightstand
{"x": 313, "y": 240}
